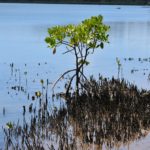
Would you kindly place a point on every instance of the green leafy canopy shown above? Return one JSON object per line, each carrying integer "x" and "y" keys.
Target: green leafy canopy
{"x": 81, "y": 39}
{"x": 91, "y": 33}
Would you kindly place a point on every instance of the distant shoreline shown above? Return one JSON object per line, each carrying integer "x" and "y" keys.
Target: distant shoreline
{"x": 92, "y": 2}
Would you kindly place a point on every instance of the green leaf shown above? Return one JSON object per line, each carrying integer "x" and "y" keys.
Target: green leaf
{"x": 102, "y": 45}
{"x": 54, "y": 50}
{"x": 87, "y": 63}
{"x": 118, "y": 61}
{"x": 82, "y": 62}
{"x": 47, "y": 39}
{"x": 38, "y": 94}
{"x": 9, "y": 125}
{"x": 42, "y": 81}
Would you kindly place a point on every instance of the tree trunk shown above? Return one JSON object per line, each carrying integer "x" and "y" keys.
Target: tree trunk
{"x": 77, "y": 80}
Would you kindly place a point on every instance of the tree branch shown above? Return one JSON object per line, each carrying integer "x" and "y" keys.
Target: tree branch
{"x": 67, "y": 91}
{"x": 62, "y": 76}
{"x": 67, "y": 44}
{"x": 68, "y": 51}
{"x": 83, "y": 75}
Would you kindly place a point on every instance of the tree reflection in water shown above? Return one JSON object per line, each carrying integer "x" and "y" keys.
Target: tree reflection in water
{"x": 107, "y": 113}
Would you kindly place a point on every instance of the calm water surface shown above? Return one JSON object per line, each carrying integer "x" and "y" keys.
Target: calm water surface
{"x": 23, "y": 28}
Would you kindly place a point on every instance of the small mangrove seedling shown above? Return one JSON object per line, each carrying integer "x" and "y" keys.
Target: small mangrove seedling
{"x": 12, "y": 68}
{"x": 24, "y": 110}
{"x": 25, "y": 73}
{"x": 33, "y": 98}
{"x": 4, "y": 111}
{"x": 9, "y": 125}
{"x": 38, "y": 94}
{"x": 42, "y": 81}
{"x": 81, "y": 40}
{"x": 119, "y": 66}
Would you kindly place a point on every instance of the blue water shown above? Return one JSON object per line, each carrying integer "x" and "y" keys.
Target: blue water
{"x": 23, "y": 28}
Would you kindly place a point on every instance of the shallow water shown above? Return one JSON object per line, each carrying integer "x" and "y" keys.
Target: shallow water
{"x": 23, "y": 28}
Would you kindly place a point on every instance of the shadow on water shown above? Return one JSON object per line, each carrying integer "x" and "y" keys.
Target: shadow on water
{"x": 108, "y": 113}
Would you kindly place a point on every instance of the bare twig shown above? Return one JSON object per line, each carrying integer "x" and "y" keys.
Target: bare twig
{"x": 66, "y": 43}
{"x": 68, "y": 51}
